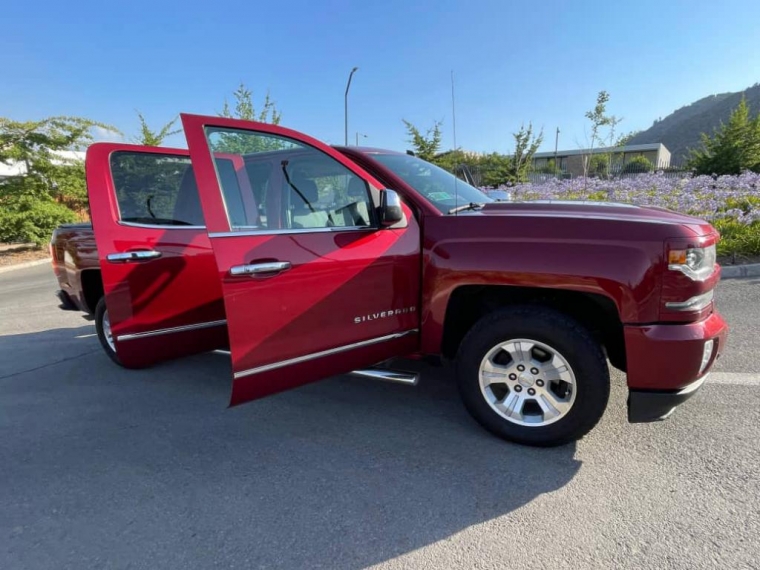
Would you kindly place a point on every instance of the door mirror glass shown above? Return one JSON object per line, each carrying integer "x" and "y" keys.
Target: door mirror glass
{"x": 391, "y": 212}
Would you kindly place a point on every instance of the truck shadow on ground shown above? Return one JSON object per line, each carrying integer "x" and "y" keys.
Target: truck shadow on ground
{"x": 149, "y": 467}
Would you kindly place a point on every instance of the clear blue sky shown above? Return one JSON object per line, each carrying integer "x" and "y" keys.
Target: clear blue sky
{"x": 513, "y": 61}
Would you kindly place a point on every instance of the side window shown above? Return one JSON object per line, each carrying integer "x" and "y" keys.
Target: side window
{"x": 155, "y": 189}
{"x": 233, "y": 195}
{"x": 290, "y": 185}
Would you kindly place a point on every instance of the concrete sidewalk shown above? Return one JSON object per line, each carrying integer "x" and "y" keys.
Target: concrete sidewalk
{"x": 735, "y": 271}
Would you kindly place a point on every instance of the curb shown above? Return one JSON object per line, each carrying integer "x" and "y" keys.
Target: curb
{"x": 736, "y": 271}
{"x": 6, "y": 268}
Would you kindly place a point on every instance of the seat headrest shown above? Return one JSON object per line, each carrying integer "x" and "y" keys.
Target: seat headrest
{"x": 188, "y": 205}
{"x": 357, "y": 188}
{"x": 308, "y": 190}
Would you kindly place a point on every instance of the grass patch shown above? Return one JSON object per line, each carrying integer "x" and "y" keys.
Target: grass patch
{"x": 737, "y": 239}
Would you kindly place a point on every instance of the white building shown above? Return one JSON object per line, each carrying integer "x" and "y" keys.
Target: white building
{"x": 15, "y": 168}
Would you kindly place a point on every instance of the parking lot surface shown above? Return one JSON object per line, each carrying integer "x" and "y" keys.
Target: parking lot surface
{"x": 109, "y": 468}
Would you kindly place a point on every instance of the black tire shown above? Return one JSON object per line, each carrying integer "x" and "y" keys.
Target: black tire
{"x": 564, "y": 335}
{"x": 100, "y": 312}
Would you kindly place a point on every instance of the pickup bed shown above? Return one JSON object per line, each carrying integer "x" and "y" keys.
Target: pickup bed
{"x": 309, "y": 261}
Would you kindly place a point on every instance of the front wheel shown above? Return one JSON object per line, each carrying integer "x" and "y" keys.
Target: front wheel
{"x": 533, "y": 375}
{"x": 103, "y": 328}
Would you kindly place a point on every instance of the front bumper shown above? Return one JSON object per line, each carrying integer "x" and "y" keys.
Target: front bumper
{"x": 664, "y": 364}
{"x": 652, "y": 405}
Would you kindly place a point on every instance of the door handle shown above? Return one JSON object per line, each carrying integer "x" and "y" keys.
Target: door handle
{"x": 254, "y": 269}
{"x": 128, "y": 256}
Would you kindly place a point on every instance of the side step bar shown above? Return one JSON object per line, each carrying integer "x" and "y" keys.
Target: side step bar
{"x": 408, "y": 378}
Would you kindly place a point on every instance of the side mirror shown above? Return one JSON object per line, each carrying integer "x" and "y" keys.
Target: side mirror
{"x": 390, "y": 211}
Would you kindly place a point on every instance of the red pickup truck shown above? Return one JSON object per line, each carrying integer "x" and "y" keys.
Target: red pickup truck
{"x": 308, "y": 261}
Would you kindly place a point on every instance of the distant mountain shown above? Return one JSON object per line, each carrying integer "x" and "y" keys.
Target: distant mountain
{"x": 680, "y": 131}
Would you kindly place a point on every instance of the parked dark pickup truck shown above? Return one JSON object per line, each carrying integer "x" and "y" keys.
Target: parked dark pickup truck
{"x": 76, "y": 265}
{"x": 301, "y": 259}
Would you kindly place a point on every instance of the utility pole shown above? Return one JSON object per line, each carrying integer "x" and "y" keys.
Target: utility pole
{"x": 345, "y": 103}
{"x": 453, "y": 111}
{"x": 556, "y": 145}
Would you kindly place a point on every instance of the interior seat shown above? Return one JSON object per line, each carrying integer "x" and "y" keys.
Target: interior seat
{"x": 356, "y": 211}
{"x": 304, "y": 210}
{"x": 187, "y": 208}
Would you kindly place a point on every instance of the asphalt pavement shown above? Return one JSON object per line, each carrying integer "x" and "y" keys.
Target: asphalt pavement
{"x": 102, "y": 467}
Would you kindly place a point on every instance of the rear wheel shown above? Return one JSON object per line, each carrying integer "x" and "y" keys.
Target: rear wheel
{"x": 534, "y": 376}
{"x": 103, "y": 328}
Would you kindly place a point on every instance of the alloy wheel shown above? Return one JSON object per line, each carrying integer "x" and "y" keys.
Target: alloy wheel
{"x": 527, "y": 382}
{"x": 107, "y": 331}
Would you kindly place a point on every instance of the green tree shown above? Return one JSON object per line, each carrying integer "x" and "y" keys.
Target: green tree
{"x": 733, "y": 147}
{"x": 625, "y": 138}
{"x": 244, "y": 108}
{"x": 549, "y": 168}
{"x": 151, "y": 137}
{"x": 452, "y": 159}
{"x": 51, "y": 185}
{"x": 426, "y": 146}
{"x": 521, "y": 161}
{"x": 599, "y": 120}
{"x": 637, "y": 165}
{"x": 496, "y": 169}
{"x": 599, "y": 165}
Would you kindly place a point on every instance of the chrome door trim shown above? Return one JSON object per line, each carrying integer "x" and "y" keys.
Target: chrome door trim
{"x": 315, "y": 355}
{"x": 254, "y": 269}
{"x": 160, "y": 226}
{"x": 127, "y": 256}
{"x": 171, "y": 330}
{"x": 266, "y": 232}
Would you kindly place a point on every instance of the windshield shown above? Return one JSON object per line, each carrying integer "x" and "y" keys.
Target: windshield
{"x": 444, "y": 190}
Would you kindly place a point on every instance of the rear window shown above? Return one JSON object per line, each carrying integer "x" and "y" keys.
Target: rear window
{"x": 155, "y": 189}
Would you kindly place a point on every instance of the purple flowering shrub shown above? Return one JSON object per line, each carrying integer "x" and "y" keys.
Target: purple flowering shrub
{"x": 731, "y": 203}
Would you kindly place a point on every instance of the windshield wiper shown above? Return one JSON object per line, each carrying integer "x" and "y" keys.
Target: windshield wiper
{"x": 463, "y": 207}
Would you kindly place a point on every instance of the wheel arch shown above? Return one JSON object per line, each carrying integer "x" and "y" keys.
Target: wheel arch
{"x": 598, "y": 313}
{"x": 92, "y": 288}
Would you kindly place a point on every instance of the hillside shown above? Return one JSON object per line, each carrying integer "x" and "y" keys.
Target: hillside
{"x": 681, "y": 130}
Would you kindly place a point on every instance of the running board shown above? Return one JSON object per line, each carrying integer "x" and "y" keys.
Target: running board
{"x": 408, "y": 378}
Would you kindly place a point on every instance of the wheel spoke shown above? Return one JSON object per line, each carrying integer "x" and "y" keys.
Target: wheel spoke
{"x": 512, "y": 404}
{"x": 551, "y": 405}
{"x": 556, "y": 369}
{"x": 520, "y": 351}
{"x": 107, "y": 331}
{"x": 492, "y": 373}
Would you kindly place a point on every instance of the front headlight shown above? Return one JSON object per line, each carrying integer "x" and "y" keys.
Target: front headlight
{"x": 697, "y": 263}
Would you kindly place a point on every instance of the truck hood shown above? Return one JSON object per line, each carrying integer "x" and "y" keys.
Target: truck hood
{"x": 594, "y": 210}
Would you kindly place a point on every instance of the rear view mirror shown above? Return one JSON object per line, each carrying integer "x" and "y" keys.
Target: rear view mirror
{"x": 391, "y": 212}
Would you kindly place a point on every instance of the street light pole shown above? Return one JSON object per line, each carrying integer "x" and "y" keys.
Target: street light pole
{"x": 345, "y": 103}
{"x": 556, "y": 144}
{"x": 357, "y": 137}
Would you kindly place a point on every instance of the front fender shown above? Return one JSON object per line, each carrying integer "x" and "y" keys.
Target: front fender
{"x": 624, "y": 271}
